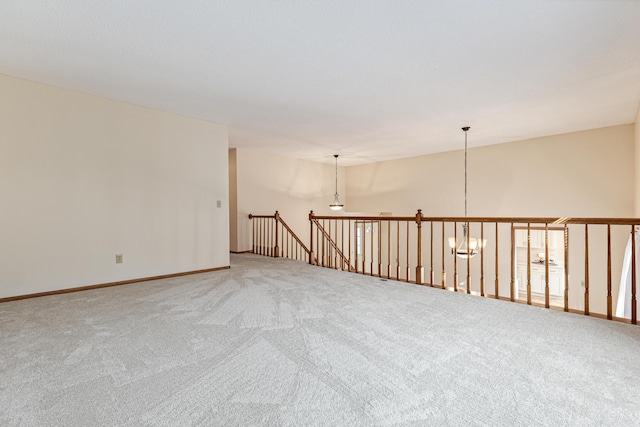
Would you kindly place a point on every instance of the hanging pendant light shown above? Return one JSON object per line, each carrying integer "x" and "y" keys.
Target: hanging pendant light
{"x": 468, "y": 246}
{"x": 336, "y": 205}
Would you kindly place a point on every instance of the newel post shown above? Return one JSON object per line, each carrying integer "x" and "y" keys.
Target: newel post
{"x": 253, "y": 231}
{"x": 311, "y": 254}
{"x": 419, "y": 268}
{"x": 276, "y": 249}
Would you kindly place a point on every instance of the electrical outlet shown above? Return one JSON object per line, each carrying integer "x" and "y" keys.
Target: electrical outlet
{"x": 119, "y": 258}
{"x": 219, "y": 203}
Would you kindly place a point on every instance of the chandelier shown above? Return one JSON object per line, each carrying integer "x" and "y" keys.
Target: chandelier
{"x": 336, "y": 205}
{"x": 468, "y": 246}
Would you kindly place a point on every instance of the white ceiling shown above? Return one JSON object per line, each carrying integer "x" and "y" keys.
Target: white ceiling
{"x": 368, "y": 79}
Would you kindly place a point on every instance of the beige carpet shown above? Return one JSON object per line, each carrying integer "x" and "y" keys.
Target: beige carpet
{"x": 277, "y": 342}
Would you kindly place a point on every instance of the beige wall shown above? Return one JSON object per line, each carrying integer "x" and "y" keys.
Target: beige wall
{"x": 267, "y": 183}
{"x": 588, "y": 173}
{"x": 84, "y": 178}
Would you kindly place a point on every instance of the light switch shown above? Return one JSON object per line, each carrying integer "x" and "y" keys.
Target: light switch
{"x": 219, "y": 203}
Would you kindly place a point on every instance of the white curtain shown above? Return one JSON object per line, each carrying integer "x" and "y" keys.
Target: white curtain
{"x": 623, "y": 308}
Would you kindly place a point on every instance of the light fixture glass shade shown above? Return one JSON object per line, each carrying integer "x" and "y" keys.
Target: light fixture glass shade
{"x": 336, "y": 205}
{"x": 464, "y": 251}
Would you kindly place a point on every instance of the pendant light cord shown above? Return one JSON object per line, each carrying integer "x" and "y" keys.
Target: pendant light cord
{"x": 465, "y": 172}
{"x": 336, "y": 156}
{"x": 466, "y": 224}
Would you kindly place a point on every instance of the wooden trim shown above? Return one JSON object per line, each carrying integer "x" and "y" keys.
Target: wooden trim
{"x": 349, "y": 259}
{"x": 481, "y": 259}
{"x": 398, "y": 251}
{"x": 333, "y": 244}
{"x": 634, "y": 305}
{"x": 586, "y": 269}
{"x": 431, "y": 277}
{"x": 534, "y": 304}
{"x": 389, "y": 249}
{"x": 311, "y": 254}
{"x": 241, "y": 252}
{"x": 551, "y": 228}
{"x": 455, "y": 257}
{"x": 546, "y": 266}
{"x": 529, "y": 264}
{"x": 372, "y": 233}
{"x": 513, "y": 266}
{"x": 295, "y": 236}
{"x": 571, "y": 310}
{"x": 110, "y": 284}
{"x": 609, "y": 282}
{"x": 566, "y": 267}
{"x": 516, "y": 220}
{"x": 497, "y": 285}
{"x": 468, "y": 258}
{"x": 537, "y": 220}
{"x": 369, "y": 218}
{"x": 444, "y": 271}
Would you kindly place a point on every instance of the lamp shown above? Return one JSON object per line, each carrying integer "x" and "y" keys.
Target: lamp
{"x": 336, "y": 205}
{"x": 468, "y": 246}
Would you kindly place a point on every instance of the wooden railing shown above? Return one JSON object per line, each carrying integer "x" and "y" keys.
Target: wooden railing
{"x": 336, "y": 257}
{"x": 588, "y": 255}
{"x": 272, "y": 236}
{"x": 402, "y": 248}
{"x": 364, "y": 244}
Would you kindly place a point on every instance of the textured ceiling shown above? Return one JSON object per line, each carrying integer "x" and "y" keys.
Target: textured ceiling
{"x": 368, "y": 79}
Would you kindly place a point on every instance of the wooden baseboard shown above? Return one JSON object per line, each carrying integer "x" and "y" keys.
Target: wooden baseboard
{"x": 536, "y": 304}
{"x": 241, "y": 252}
{"x": 108, "y": 285}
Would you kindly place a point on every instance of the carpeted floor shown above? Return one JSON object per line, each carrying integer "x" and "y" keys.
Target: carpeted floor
{"x": 278, "y": 342}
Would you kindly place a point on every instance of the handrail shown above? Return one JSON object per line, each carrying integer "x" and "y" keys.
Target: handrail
{"x": 364, "y": 217}
{"x": 334, "y": 245}
{"x": 267, "y": 239}
{"x": 505, "y": 219}
{"x": 539, "y": 220}
{"x": 295, "y": 236}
